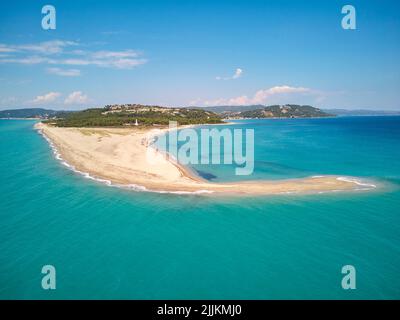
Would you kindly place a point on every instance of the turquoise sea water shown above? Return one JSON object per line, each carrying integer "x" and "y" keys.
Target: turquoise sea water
{"x": 111, "y": 243}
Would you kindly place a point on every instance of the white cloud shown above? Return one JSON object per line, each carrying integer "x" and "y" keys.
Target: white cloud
{"x": 76, "y": 97}
{"x": 117, "y": 60}
{"x": 115, "y": 54}
{"x": 26, "y": 60}
{"x": 124, "y": 63}
{"x": 238, "y": 73}
{"x": 46, "y": 98}
{"x": 5, "y": 48}
{"x": 64, "y": 72}
{"x": 74, "y": 62}
{"x": 48, "y": 47}
{"x": 260, "y": 97}
{"x": 39, "y": 53}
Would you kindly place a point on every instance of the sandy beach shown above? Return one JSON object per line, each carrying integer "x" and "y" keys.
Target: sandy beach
{"x": 120, "y": 156}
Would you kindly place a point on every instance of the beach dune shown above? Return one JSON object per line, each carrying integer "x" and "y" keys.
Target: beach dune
{"x": 120, "y": 156}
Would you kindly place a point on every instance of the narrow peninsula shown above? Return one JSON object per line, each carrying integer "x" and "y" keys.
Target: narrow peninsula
{"x": 112, "y": 144}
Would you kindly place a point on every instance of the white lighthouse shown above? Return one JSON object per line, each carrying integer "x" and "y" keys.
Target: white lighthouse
{"x": 136, "y": 123}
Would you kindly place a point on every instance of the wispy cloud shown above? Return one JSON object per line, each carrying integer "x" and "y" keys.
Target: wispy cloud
{"x": 113, "y": 32}
{"x": 60, "y": 52}
{"x": 46, "y": 98}
{"x": 238, "y": 73}
{"x": 5, "y": 48}
{"x": 26, "y": 60}
{"x": 261, "y": 96}
{"x": 108, "y": 59}
{"x": 76, "y": 98}
{"x": 47, "y": 47}
{"x": 115, "y": 54}
{"x": 64, "y": 72}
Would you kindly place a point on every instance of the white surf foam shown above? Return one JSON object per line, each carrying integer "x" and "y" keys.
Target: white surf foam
{"x": 357, "y": 182}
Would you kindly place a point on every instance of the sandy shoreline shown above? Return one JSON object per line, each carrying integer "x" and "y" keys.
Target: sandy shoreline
{"x": 119, "y": 155}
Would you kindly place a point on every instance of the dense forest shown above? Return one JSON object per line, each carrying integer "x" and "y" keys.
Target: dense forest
{"x": 127, "y": 115}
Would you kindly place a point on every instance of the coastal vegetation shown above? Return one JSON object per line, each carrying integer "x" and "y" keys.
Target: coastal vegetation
{"x": 278, "y": 111}
{"x": 224, "y": 112}
{"x": 132, "y": 114}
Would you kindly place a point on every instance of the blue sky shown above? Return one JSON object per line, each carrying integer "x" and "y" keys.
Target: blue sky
{"x": 180, "y": 53}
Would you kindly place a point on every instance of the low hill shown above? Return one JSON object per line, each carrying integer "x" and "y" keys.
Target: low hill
{"x": 362, "y": 112}
{"x": 30, "y": 113}
{"x": 225, "y": 109}
{"x": 278, "y": 111}
{"x": 128, "y": 114}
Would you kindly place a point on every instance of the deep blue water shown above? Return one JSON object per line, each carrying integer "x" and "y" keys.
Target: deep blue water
{"x": 111, "y": 243}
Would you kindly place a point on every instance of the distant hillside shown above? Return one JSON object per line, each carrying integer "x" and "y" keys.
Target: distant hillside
{"x": 225, "y": 109}
{"x": 214, "y": 113}
{"x": 361, "y": 112}
{"x": 30, "y": 113}
{"x": 126, "y": 115}
{"x": 277, "y": 111}
{"x": 237, "y": 111}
